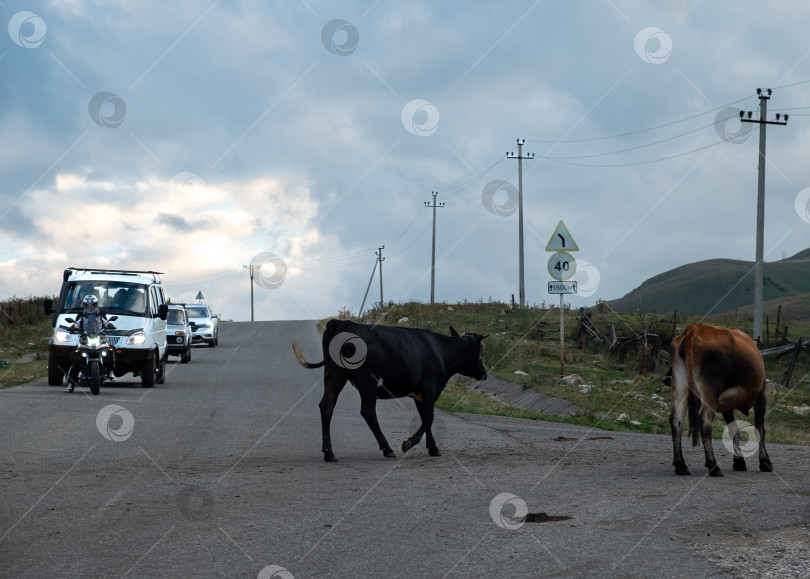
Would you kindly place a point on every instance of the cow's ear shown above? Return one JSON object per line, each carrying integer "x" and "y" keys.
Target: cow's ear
{"x": 483, "y": 337}
{"x": 453, "y": 332}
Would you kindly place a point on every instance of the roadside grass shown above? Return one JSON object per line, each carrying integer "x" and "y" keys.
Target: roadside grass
{"x": 23, "y": 352}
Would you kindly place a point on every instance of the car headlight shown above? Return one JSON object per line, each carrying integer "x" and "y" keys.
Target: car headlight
{"x": 137, "y": 338}
{"x": 62, "y": 335}
{"x": 209, "y": 326}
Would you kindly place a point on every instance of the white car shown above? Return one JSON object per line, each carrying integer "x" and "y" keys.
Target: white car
{"x": 204, "y": 324}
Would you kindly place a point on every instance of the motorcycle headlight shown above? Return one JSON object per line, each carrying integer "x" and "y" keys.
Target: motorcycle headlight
{"x": 94, "y": 341}
{"x": 137, "y": 338}
{"x": 62, "y": 335}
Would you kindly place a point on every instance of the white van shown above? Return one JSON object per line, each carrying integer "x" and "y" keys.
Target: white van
{"x": 139, "y": 337}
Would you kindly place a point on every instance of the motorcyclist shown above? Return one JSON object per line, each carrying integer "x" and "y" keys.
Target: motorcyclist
{"x": 89, "y": 307}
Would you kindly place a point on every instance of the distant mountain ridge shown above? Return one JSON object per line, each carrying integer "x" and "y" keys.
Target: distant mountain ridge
{"x": 719, "y": 285}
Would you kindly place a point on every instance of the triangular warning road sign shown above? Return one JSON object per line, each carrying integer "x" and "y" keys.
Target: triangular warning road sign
{"x": 561, "y": 240}
{"x": 200, "y": 296}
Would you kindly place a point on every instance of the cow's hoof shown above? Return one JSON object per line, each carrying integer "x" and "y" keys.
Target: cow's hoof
{"x": 329, "y": 457}
{"x": 739, "y": 464}
{"x": 389, "y": 453}
{"x": 434, "y": 452}
{"x": 715, "y": 471}
{"x": 765, "y": 466}
{"x": 407, "y": 445}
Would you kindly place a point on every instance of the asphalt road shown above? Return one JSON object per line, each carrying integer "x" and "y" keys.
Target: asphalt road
{"x": 218, "y": 473}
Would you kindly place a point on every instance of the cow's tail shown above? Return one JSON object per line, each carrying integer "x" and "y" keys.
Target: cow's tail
{"x": 692, "y": 400}
{"x": 303, "y": 361}
{"x": 695, "y": 423}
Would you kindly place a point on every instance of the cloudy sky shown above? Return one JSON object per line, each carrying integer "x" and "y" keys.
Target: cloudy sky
{"x": 197, "y": 137}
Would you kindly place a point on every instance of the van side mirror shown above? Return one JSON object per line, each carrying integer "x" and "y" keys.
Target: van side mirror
{"x": 48, "y": 305}
{"x": 163, "y": 311}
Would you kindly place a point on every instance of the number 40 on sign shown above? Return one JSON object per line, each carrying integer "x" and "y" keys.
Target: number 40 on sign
{"x": 562, "y": 266}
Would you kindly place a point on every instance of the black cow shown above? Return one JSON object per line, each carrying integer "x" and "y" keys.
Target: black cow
{"x": 388, "y": 362}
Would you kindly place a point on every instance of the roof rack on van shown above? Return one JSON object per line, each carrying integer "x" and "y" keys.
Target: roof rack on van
{"x": 93, "y": 270}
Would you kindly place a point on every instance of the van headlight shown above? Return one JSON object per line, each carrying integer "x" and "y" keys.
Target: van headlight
{"x": 62, "y": 335}
{"x": 137, "y": 338}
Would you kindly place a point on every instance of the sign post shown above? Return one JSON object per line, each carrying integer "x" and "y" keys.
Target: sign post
{"x": 562, "y": 267}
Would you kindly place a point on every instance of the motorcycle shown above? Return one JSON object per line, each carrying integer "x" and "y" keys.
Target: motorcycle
{"x": 94, "y": 350}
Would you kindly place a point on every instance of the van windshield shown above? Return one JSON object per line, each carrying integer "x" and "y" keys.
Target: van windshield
{"x": 123, "y": 297}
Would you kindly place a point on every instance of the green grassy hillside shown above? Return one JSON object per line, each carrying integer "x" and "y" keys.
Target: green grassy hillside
{"x": 795, "y": 308}
{"x": 721, "y": 285}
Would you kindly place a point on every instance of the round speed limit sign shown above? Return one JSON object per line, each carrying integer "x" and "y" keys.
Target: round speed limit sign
{"x": 562, "y": 266}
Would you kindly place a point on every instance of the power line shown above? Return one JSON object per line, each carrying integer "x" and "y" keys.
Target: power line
{"x": 413, "y": 220}
{"x": 411, "y": 244}
{"x": 791, "y": 84}
{"x": 636, "y": 147}
{"x": 332, "y": 259}
{"x": 791, "y": 109}
{"x": 628, "y": 134}
{"x": 631, "y": 164}
{"x": 353, "y": 263}
{"x": 469, "y": 183}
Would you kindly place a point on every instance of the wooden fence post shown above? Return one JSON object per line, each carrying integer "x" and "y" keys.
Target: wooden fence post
{"x": 789, "y": 370}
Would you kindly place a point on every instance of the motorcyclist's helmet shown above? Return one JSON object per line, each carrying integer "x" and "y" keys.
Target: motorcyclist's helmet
{"x": 90, "y": 302}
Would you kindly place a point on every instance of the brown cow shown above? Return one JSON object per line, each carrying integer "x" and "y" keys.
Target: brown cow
{"x": 716, "y": 370}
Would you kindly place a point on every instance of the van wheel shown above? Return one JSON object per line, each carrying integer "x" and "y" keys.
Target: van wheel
{"x": 161, "y": 369}
{"x": 55, "y": 374}
{"x": 148, "y": 371}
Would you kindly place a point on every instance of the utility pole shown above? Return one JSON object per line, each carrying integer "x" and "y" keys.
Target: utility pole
{"x": 759, "y": 266}
{"x": 433, "y": 252}
{"x": 368, "y": 287}
{"x": 520, "y": 158}
{"x": 381, "y": 259}
{"x": 251, "y": 269}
